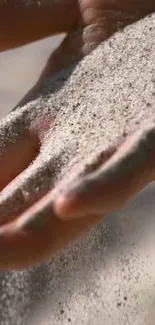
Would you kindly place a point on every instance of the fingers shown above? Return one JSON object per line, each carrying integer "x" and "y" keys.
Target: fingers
{"x": 27, "y": 188}
{"x": 130, "y": 169}
{"x": 18, "y": 147}
{"x": 25, "y": 22}
{"x": 38, "y": 235}
{"x": 24, "y": 174}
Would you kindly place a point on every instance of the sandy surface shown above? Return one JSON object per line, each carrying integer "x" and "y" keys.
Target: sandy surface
{"x": 108, "y": 276}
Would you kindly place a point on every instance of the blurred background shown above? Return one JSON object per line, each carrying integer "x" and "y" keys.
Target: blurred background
{"x": 20, "y": 69}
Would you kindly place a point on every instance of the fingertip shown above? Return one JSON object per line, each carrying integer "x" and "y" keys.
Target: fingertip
{"x": 63, "y": 208}
{"x": 70, "y": 206}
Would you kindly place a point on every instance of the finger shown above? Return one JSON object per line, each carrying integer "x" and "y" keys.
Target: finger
{"x": 38, "y": 235}
{"x": 25, "y": 22}
{"x": 28, "y": 187}
{"x": 18, "y": 146}
{"x": 20, "y": 192}
{"x": 128, "y": 171}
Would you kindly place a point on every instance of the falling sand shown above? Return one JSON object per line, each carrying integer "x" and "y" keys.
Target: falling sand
{"x": 94, "y": 104}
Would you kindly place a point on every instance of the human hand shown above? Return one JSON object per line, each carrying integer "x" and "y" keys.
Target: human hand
{"x": 118, "y": 177}
{"x": 86, "y": 23}
{"x": 34, "y": 223}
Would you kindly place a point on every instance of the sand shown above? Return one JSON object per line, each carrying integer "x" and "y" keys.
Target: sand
{"x": 93, "y": 104}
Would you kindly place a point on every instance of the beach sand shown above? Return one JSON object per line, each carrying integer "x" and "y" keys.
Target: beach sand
{"x": 104, "y": 278}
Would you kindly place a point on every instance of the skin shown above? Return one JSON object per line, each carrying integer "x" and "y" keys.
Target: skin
{"x": 38, "y": 230}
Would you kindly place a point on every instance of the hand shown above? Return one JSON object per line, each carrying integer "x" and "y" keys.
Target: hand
{"x": 34, "y": 219}
{"x": 30, "y": 230}
{"x": 120, "y": 176}
{"x": 34, "y": 229}
{"x": 86, "y": 24}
